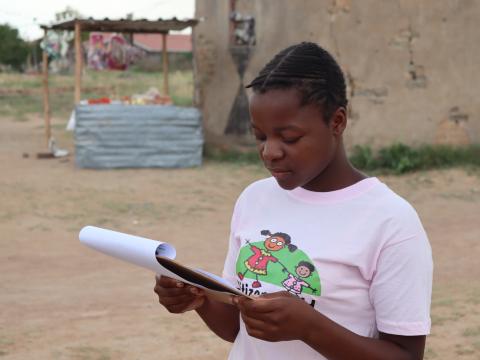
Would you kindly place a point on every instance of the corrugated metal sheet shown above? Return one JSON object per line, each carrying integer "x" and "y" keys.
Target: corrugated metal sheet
{"x": 125, "y": 136}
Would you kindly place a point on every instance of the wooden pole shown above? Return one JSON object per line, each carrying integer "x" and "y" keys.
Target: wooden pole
{"x": 78, "y": 62}
{"x": 165, "y": 64}
{"x": 46, "y": 99}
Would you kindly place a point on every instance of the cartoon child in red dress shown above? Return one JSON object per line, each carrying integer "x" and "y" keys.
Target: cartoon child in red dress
{"x": 294, "y": 284}
{"x": 258, "y": 262}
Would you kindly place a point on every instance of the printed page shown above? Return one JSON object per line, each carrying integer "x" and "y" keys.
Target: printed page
{"x": 144, "y": 252}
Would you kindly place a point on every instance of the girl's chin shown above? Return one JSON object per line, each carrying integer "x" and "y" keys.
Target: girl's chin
{"x": 285, "y": 184}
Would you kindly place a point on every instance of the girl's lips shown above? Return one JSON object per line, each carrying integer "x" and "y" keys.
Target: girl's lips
{"x": 279, "y": 172}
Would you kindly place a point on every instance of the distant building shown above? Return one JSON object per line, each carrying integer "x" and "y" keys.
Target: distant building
{"x": 152, "y": 43}
{"x": 179, "y": 48}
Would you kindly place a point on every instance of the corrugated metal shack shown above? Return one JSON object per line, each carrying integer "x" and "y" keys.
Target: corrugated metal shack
{"x": 124, "y": 135}
{"x": 119, "y": 136}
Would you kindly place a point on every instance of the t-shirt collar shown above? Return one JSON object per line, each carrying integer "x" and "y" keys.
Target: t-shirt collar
{"x": 346, "y": 193}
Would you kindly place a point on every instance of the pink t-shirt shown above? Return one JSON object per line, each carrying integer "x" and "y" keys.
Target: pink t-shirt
{"x": 360, "y": 257}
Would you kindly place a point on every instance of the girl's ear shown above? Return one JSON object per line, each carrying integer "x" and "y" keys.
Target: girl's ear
{"x": 338, "y": 122}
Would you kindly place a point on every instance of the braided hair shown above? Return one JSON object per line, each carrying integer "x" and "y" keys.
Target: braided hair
{"x": 309, "y": 69}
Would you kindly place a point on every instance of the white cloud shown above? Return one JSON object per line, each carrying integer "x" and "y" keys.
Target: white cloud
{"x": 27, "y": 15}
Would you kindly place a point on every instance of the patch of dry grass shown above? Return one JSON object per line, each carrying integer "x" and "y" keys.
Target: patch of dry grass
{"x": 28, "y": 102}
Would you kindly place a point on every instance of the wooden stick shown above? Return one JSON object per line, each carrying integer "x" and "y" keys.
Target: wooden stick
{"x": 78, "y": 62}
{"x": 165, "y": 64}
{"x": 46, "y": 99}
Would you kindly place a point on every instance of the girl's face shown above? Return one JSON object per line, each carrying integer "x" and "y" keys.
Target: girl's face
{"x": 303, "y": 271}
{"x": 294, "y": 142}
{"x": 274, "y": 243}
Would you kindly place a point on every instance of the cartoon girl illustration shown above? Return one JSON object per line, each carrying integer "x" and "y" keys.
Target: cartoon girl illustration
{"x": 294, "y": 284}
{"x": 258, "y": 262}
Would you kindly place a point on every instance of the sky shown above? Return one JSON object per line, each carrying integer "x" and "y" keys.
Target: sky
{"x": 27, "y": 15}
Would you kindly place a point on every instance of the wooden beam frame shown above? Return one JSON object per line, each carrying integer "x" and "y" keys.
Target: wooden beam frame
{"x": 165, "y": 64}
{"x": 78, "y": 62}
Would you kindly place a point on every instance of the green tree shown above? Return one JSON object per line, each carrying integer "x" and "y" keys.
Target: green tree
{"x": 13, "y": 49}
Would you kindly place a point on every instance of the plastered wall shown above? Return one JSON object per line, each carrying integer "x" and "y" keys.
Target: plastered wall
{"x": 411, "y": 66}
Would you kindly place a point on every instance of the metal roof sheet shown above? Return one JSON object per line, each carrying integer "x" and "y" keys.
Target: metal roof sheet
{"x": 125, "y": 25}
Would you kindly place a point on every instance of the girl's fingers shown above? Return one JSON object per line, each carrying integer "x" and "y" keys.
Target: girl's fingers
{"x": 167, "y": 282}
{"x": 268, "y": 318}
{"x": 254, "y": 323}
{"x": 174, "y": 287}
{"x": 166, "y": 291}
{"x": 176, "y": 296}
{"x": 161, "y": 291}
{"x": 257, "y": 306}
{"x": 187, "y": 306}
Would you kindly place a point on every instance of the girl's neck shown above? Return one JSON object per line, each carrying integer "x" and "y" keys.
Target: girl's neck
{"x": 337, "y": 175}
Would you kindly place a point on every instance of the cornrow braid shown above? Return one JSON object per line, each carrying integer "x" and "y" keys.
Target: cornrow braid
{"x": 311, "y": 70}
{"x": 275, "y": 69}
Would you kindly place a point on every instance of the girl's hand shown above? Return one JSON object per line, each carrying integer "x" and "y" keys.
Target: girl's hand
{"x": 176, "y": 296}
{"x": 275, "y": 317}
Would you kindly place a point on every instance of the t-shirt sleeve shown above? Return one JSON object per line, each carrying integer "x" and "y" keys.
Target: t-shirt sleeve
{"x": 401, "y": 287}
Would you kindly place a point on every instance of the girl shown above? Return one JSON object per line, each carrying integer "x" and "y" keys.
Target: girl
{"x": 294, "y": 284}
{"x": 258, "y": 262}
{"x": 366, "y": 244}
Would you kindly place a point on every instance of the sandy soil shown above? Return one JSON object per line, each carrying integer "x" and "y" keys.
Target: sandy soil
{"x": 59, "y": 300}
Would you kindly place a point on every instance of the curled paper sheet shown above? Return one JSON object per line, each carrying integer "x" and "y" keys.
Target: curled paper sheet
{"x": 154, "y": 255}
{"x": 134, "y": 249}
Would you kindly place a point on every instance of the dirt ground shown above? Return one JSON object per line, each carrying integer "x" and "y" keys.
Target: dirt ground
{"x": 60, "y": 300}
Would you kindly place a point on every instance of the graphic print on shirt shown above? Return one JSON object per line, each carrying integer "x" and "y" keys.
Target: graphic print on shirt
{"x": 276, "y": 261}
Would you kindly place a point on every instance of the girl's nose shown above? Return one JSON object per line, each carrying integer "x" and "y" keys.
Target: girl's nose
{"x": 272, "y": 151}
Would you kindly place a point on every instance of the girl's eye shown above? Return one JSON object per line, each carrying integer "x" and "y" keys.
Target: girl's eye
{"x": 291, "y": 140}
{"x": 259, "y": 137}
{"x": 273, "y": 241}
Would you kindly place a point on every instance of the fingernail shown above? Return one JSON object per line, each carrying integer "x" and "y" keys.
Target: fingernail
{"x": 180, "y": 284}
{"x": 194, "y": 290}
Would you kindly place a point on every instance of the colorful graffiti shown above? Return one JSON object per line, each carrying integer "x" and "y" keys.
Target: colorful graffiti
{"x": 111, "y": 51}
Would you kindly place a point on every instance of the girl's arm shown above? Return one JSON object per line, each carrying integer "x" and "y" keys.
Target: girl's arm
{"x": 222, "y": 319}
{"x": 281, "y": 316}
{"x": 337, "y": 343}
{"x": 310, "y": 287}
{"x": 283, "y": 266}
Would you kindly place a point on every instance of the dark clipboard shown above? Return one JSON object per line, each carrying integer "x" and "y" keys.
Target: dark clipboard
{"x": 196, "y": 277}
